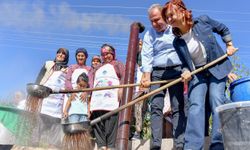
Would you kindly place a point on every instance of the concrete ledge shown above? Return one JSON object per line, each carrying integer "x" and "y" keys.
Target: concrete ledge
{"x": 167, "y": 144}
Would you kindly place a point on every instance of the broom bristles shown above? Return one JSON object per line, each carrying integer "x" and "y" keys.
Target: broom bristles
{"x": 77, "y": 141}
{"x": 33, "y": 103}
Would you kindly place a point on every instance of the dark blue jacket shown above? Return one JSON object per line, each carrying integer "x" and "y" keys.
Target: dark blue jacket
{"x": 204, "y": 29}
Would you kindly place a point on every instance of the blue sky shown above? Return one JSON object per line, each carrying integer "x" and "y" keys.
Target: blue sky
{"x": 32, "y": 30}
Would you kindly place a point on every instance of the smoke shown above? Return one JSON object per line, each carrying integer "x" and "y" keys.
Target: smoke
{"x": 37, "y": 15}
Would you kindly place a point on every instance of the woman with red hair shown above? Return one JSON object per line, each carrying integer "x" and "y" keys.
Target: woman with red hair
{"x": 196, "y": 46}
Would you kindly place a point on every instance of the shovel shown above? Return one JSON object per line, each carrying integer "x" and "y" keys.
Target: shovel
{"x": 107, "y": 115}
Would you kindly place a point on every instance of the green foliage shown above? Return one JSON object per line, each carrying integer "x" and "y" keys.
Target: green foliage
{"x": 146, "y": 126}
{"x": 239, "y": 68}
{"x": 146, "y": 130}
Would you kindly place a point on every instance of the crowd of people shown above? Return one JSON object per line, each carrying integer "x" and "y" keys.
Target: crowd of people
{"x": 105, "y": 70}
{"x": 175, "y": 45}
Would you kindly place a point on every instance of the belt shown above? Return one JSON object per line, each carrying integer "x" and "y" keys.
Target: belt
{"x": 165, "y": 68}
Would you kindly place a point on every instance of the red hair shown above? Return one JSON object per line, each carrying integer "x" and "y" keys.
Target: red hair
{"x": 180, "y": 7}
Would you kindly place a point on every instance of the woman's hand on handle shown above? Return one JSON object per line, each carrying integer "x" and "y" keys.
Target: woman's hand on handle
{"x": 186, "y": 76}
{"x": 231, "y": 49}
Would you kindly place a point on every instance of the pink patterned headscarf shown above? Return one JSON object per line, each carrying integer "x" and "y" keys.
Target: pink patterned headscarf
{"x": 107, "y": 49}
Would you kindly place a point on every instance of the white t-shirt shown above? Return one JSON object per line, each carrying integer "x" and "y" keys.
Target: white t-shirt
{"x": 78, "y": 107}
{"x": 196, "y": 49}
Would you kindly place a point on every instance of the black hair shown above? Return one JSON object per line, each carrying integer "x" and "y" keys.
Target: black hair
{"x": 82, "y": 77}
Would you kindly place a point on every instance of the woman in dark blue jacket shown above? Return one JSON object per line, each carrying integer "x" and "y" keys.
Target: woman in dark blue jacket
{"x": 196, "y": 46}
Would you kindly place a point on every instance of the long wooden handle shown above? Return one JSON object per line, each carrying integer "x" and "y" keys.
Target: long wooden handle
{"x": 93, "y": 122}
{"x": 209, "y": 64}
{"x": 108, "y": 87}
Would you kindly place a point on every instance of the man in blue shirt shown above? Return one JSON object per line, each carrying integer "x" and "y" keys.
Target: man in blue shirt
{"x": 161, "y": 62}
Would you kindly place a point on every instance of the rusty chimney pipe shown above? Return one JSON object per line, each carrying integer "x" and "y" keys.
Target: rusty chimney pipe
{"x": 125, "y": 115}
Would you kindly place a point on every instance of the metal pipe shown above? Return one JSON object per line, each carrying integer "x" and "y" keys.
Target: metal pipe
{"x": 125, "y": 115}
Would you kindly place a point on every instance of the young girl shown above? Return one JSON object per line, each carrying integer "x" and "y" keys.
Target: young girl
{"x": 76, "y": 109}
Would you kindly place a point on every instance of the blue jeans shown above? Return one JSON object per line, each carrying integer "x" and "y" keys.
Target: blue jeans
{"x": 75, "y": 118}
{"x": 194, "y": 135}
{"x": 178, "y": 106}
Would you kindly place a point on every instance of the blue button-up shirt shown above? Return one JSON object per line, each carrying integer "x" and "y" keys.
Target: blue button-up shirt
{"x": 158, "y": 51}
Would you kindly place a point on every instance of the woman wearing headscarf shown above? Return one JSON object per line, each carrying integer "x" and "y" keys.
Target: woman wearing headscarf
{"x": 109, "y": 73}
{"x": 96, "y": 60}
{"x": 53, "y": 75}
{"x": 75, "y": 70}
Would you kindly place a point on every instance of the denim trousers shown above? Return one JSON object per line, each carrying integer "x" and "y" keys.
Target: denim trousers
{"x": 178, "y": 106}
{"x": 198, "y": 88}
{"x": 75, "y": 118}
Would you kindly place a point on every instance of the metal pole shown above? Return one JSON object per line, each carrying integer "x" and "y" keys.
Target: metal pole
{"x": 125, "y": 115}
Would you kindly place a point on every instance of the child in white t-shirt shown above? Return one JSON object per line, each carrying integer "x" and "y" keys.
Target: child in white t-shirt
{"x": 76, "y": 109}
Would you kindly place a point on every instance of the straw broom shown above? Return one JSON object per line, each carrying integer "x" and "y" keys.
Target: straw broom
{"x": 33, "y": 103}
{"x": 77, "y": 141}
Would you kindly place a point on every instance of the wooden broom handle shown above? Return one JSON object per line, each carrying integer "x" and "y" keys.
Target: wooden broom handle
{"x": 93, "y": 122}
{"x": 108, "y": 87}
